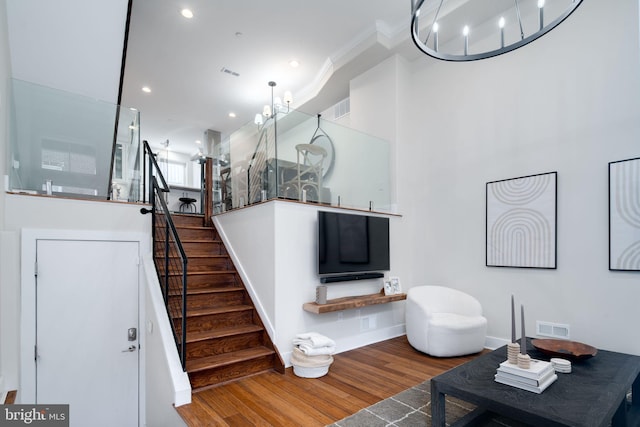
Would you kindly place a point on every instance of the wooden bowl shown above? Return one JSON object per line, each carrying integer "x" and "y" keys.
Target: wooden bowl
{"x": 565, "y": 349}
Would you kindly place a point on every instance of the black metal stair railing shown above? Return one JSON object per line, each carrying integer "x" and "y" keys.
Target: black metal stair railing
{"x": 168, "y": 254}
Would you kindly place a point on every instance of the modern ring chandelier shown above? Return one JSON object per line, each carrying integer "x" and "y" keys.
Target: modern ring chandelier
{"x": 469, "y": 30}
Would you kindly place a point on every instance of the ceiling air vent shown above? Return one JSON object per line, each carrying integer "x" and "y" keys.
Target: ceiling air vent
{"x": 228, "y": 71}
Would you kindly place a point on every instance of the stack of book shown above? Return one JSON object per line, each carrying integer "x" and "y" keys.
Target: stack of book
{"x": 537, "y": 378}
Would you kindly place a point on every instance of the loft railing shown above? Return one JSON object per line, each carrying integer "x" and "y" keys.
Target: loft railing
{"x": 264, "y": 161}
{"x": 257, "y": 170}
{"x": 63, "y": 144}
{"x": 168, "y": 253}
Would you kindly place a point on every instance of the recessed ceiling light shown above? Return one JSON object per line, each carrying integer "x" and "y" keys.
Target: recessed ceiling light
{"x": 232, "y": 114}
{"x": 294, "y": 64}
{"x": 198, "y": 141}
{"x": 187, "y": 13}
{"x": 146, "y": 89}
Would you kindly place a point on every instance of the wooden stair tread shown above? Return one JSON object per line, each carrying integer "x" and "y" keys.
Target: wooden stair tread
{"x": 222, "y": 332}
{"x": 206, "y": 290}
{"x": 195, "y": 256}
{"x": 217, "y": 361}
{"x": 203, "y": 272}
{"x": 194, "y": 312}
{"x": 208, "y": 241}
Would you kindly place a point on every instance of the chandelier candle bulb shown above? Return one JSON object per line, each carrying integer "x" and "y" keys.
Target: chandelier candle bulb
{"x": 541, "y": 7}
{"x": 465, "y": 32}
{"x": 501, "y": 23}
{"x": 435, "y": 36}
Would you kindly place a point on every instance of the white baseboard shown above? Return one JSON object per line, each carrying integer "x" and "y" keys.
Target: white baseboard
{"x": 494, "y": 342}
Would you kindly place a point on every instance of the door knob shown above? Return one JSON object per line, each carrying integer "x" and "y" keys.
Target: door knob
{"x": 130, "y": 349}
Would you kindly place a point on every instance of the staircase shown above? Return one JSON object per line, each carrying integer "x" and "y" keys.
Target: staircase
{"x": 225, "y": 339}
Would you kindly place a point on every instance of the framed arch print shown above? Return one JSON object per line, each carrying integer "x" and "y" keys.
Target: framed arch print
{"x": 624, "y": 215}
{"x": 521, "y": 225}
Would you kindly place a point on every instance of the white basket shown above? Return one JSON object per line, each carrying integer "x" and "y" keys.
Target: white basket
{"x": 315, "y": 372}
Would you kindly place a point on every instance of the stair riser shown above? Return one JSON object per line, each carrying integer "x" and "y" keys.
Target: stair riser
{"x": 223, "y": 345}
{"x": 195, "y": 265}
{"x": 230, "y": 372}
{"x": 214, "y": 321}
{"x": 204, "y": 248}
{"x": 211, "y": 300}
{"x": 197, "y": 234}
{"x": 213, "y": 280}
{"x": 194, "y": 248}
{"x": 210, "y": 263}
{"x": 199, "y": 281}
{"x": 186, "y": 220}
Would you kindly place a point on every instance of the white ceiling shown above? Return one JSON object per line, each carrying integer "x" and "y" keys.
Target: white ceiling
{"x": 181, "y": 59}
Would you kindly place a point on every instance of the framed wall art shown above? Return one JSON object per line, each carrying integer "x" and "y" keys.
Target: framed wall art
{"x": 392, "y": 287}
{"x": 624, "y": 215}
{"x": 521, "y": 225}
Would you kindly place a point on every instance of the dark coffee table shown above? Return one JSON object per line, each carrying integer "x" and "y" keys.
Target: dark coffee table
{"x": 594, "y": 394}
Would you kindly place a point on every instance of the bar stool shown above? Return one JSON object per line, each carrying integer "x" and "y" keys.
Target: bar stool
{"x": 187, "y": 204}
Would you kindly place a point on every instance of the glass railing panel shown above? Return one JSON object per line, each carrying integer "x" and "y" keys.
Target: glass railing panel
{"x": 126, "y": 179}
{"x": 62, "y": 144}
{"x": 264, "y": 161}
{"x": 358, "y": 173}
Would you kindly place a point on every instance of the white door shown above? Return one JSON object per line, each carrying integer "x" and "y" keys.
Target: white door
{"x": 86, "y": 304}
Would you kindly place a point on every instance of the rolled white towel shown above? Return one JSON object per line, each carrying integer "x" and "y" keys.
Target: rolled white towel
{"x": 316, "y": 351}
{"x": 313, "y": 339}
{"x": 299, "y": 359}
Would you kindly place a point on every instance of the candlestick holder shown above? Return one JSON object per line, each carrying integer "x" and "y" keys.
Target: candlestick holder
{"x": 524, "y": 361}
{"x": 513, "y": 349}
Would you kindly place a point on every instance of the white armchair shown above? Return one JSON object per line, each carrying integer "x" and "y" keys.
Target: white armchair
{"x": 444, "y": 322}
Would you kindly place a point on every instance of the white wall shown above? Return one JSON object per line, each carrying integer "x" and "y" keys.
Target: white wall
{"x": 568, "y": 102}
{"x": 250, "y": 236}
{"x": 277, "y": 243}
{"x": 81, "y": 56}
{"x": 5, "y": 72}
{"x": 166, "y": 384}
{"x": 53, "y": 213}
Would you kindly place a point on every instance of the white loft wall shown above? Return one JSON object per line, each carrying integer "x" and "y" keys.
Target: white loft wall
{"x": 55, "y": 214}
{"x": 52, "y": 46}
{"x": 277, "y": 243}
{"x": 5, "y": 294}
{"x": 569, "y": 102}
{"x": 5, "y": 73}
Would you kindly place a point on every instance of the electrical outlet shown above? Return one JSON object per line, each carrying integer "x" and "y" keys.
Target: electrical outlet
{"x": 368, "y": 322}
{"x": 364, "y": 324}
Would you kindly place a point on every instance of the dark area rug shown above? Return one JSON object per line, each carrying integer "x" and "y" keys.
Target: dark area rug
{"x": 412, "y": 407}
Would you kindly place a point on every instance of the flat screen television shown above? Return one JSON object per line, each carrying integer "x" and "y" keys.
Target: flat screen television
{"x": 352, "y": 245}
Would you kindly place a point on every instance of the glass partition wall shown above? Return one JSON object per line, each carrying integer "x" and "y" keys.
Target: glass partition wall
{"x": 296, "y": 156}
{"x": 63, "y": 144}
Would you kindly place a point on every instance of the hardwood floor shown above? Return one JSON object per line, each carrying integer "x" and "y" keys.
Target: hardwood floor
{"x": 357, "y": 379}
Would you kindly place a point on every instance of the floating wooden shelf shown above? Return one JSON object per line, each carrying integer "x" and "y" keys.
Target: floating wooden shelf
{"x": 347, "y": 303}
